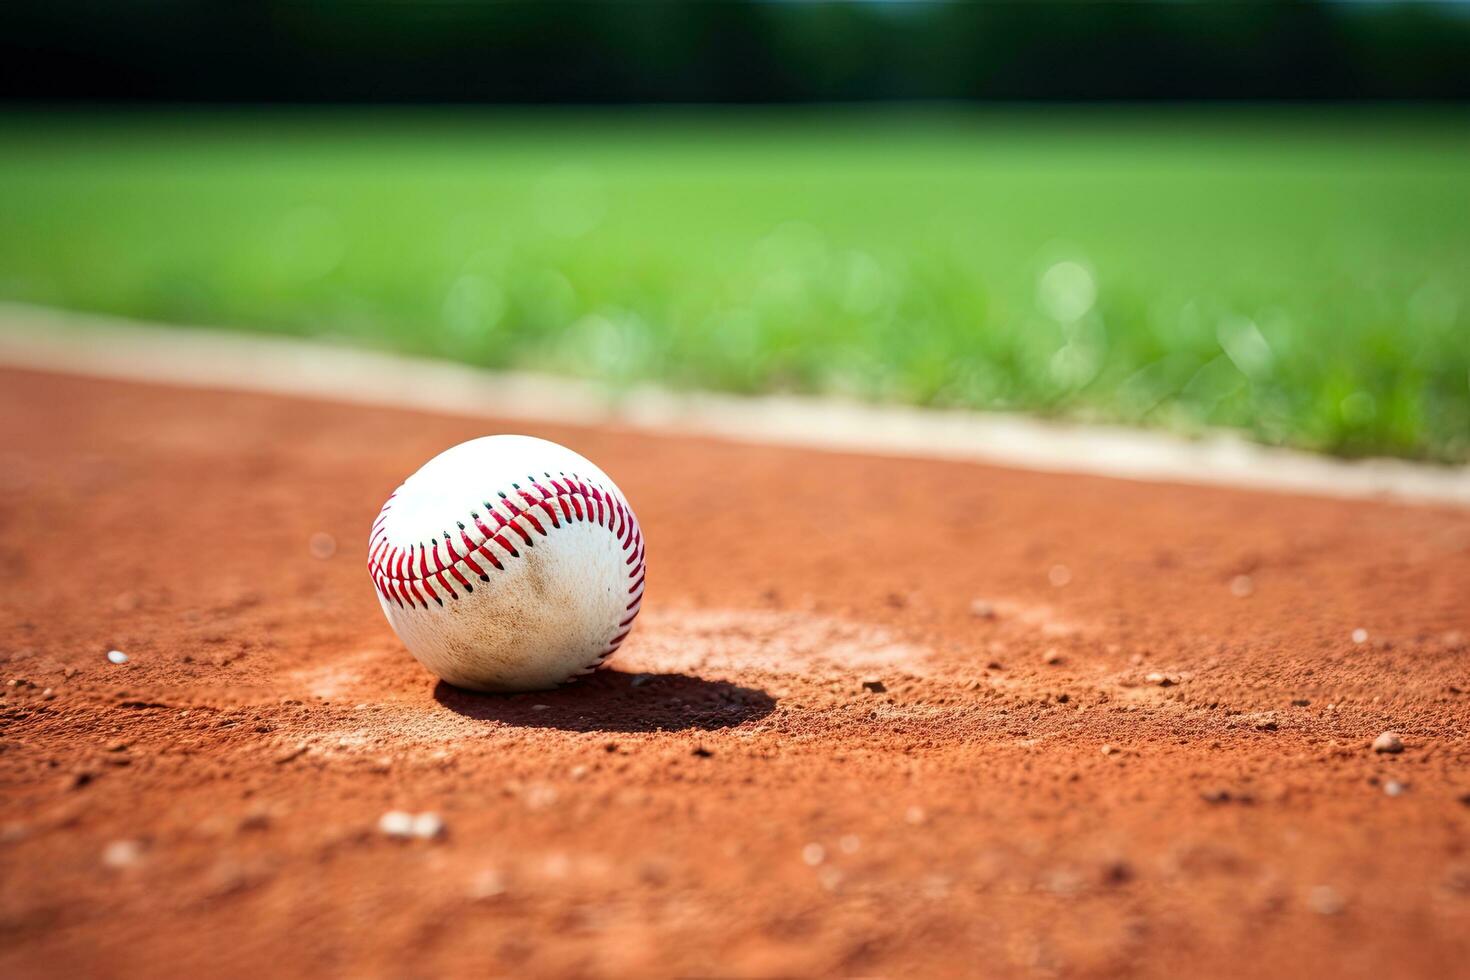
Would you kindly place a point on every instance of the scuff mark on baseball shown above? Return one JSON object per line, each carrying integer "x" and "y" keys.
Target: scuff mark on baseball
{"x": 508, "y": 563}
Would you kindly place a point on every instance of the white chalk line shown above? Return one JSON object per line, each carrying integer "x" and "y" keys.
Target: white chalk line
{"x": 108, "y": 347}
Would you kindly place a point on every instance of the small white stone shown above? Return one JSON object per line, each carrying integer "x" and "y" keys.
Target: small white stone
{"x": 396, "y": 823}
{"x": 1325, "y": 900}
{"x": 122, "y": 853}
{"x": 486, "y": 885}
{"x": 117, "y": 656}
{"x": 428, "y": 826}
{"x": 322, "y": 545}
{"x": 1360, "y": 635}
{"x": 1395, "y": 788}
{"x": 814, "y": 854}
{"x": 1389, "y": 743}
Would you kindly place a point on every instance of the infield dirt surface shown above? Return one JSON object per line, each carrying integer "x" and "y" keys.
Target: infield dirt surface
{"x": 1114, "y": 728}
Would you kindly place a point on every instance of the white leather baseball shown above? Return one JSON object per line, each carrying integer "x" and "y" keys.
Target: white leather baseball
{"x": 508, "y": 563}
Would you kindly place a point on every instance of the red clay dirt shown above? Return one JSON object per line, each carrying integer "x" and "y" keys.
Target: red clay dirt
{"x": 1145, "y": 752}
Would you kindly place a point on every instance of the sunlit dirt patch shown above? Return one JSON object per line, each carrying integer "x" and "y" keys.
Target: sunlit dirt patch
{"x": 696, "y": 640}
{"x": 345, "y": 676}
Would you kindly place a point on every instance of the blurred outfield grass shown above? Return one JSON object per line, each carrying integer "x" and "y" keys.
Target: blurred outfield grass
{"x": 1300, "y": 275}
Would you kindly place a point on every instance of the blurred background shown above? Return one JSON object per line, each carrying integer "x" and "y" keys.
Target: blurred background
{"x": 1182, "y": 215}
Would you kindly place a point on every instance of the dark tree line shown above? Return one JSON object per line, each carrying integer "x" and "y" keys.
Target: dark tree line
{"x": 592, "y": 52}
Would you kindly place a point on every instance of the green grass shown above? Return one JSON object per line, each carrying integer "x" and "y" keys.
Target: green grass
{"x": 1301, "y": 277}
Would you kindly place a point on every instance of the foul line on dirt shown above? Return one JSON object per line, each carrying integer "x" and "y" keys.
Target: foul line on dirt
{"x": 97, "y": 346}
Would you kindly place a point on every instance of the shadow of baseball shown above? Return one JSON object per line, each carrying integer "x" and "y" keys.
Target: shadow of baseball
{"x": 616, "y": 701}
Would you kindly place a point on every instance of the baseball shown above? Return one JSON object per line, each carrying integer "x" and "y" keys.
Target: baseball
{"x": 508, "y": 563}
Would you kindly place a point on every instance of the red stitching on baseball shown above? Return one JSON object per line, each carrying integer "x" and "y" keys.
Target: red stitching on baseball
{"x": 393, "y": 572}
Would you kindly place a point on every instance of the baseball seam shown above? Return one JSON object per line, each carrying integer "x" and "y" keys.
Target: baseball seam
{"x": 403, "y": 574}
